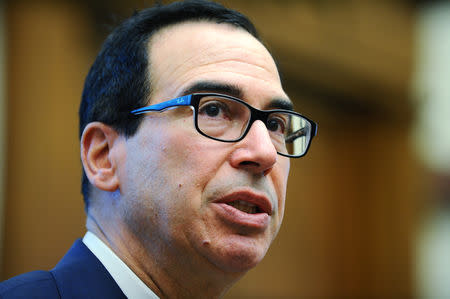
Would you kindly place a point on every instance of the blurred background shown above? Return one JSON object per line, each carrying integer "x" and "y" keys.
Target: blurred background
{"x": 368, "y": 209}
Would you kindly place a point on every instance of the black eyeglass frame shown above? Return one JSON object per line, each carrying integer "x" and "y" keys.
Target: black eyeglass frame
{"x": 193, "y": 100}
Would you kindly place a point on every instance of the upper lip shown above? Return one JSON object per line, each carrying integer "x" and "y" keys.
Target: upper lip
{"x": 259, "y": 200}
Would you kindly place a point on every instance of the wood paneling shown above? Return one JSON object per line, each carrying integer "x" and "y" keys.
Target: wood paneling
{"x": 47, "y": 62}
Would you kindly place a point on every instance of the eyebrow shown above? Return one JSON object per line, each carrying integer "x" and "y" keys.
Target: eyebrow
{"x": 281, "y": 104}
{"x": 215, "y": 87}
{"x": 234, "y": 91}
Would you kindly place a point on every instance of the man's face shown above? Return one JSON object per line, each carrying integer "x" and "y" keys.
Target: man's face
{"x": 181, "y": 190}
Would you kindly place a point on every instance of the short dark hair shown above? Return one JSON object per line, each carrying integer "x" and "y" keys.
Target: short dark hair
{"x": 118, "y": 81}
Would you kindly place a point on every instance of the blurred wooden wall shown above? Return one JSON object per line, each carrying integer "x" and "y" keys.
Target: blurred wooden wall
{"x": 48, "y": 57}
{"x": 351, "y": 207}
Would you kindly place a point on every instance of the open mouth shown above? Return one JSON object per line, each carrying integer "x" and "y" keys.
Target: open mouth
{"x": 245, "y": 207}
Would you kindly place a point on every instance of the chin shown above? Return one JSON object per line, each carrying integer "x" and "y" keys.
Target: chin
{"x": 241, "y": 263}
{"x": 238, "y": 257}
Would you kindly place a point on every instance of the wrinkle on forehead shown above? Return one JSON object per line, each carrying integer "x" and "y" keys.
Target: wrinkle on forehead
{"x": 179, "y": 52}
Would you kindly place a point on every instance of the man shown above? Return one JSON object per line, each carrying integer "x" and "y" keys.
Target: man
{"x": 186, "y": 134}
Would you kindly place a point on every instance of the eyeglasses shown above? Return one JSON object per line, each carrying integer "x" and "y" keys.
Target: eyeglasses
{"x": 228, "y": 119}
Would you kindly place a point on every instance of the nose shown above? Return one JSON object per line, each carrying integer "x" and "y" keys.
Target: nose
{"x": 256, "y": 152}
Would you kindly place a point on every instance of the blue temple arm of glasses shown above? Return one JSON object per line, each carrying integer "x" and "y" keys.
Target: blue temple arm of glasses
{"x": 297, "y": 134}
{"x": 181, "y": 101}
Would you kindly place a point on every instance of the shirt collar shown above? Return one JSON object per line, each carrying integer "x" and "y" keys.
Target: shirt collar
{"x": 128, "y": 282}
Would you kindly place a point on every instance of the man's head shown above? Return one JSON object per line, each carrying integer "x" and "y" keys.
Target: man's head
{"x": 167, "y": 199}
{"x": 120, "y": 78}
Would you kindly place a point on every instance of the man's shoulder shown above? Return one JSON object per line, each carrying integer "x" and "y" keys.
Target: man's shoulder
{"x": 36, "y": 284}
{"x": 78, "y": 275}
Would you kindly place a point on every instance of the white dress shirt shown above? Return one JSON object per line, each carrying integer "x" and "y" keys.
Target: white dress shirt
{"x": 128, "y": 282}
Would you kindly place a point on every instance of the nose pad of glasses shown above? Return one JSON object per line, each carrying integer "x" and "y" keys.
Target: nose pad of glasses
{"x": 263, "y": 138}
{"x": 256, "y": 151}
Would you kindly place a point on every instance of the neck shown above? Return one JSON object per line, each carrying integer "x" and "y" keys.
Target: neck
{"x": 167, "y": 273}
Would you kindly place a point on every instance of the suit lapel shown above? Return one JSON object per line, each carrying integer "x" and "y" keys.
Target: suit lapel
{"x": 81, "y": 275}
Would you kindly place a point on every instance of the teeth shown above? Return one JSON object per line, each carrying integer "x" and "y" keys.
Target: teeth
{"x": 244, "y": 206}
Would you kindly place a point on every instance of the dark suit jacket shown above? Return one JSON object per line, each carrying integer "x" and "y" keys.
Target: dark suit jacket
{"x": 78, "y": 275}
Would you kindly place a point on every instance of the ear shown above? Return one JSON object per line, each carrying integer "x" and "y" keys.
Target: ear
{"x": 97, "y": 143}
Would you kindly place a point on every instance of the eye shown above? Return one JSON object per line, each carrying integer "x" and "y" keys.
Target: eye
{"x": 214, "y": 109}
{"x": 211, "y": 110}
{"x": 276, "y": 124}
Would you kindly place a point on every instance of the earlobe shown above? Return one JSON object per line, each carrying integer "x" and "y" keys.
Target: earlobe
{"x": 97, "y": 144}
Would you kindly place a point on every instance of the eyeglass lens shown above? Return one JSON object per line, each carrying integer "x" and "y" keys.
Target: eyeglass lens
{"x": 227, "y": 120}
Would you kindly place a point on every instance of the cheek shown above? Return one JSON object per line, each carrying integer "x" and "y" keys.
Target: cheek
{"x": 175, "y": 158}
{"x": 195, "y": 158}
{"x": 279, "y": 178}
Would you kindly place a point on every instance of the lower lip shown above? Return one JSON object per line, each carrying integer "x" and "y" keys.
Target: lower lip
{"x": 232, "y": 215}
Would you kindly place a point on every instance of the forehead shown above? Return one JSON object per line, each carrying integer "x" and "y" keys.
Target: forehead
{"x": 185, "y": 53}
